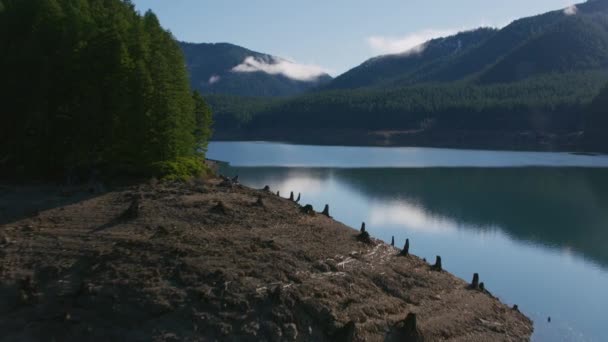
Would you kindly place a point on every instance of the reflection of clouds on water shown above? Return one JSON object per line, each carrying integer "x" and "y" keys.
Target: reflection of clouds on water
{"x": 412, "y": 217}
{"x": 300, "y": 183}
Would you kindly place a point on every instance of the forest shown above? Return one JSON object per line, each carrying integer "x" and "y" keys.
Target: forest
{"x": 94, "y": 86}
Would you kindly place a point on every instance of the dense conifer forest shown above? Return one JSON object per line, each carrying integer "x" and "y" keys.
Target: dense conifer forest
{"x": 93, "y": 85}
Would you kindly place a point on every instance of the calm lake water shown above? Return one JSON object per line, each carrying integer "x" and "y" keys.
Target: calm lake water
{"x": 533, "y": 225}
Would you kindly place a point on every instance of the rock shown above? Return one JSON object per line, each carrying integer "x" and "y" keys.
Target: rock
{"x": 290, "y": 332}
{"x": 516, "y": 308}
{"x": 266, "y": 188}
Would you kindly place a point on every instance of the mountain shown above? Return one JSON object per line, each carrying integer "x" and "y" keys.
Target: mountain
{"x": 224, "y": 68}
{"x": 597, "y": 123}
{"x": 383, "y": 69}
{"x": 558, "y": 41}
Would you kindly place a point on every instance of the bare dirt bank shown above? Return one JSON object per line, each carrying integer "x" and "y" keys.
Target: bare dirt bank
{"x": 165, "y": 262}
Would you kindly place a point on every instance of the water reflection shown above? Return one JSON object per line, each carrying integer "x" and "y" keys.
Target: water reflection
{"x": 564, "y": 208}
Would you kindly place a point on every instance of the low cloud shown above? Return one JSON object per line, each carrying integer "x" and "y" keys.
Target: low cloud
{"x": 572, "y": 10}
{"x": 411, "y": 43}
{"x": 278, "y": 66}
{"x": 214, "y": 79}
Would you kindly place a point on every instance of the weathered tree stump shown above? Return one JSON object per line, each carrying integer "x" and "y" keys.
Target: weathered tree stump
{"x": 220, "y": 208}
{"x": 437, "y": 266}
{"x": 364, "y": 237}
{"x": 308, "y": 209}
{"x": 326, "y": 210}
{"x": 407, "y": 330}
{"x": 516, "y": 308}
{"x": 482, "y": 287}
{"x": 475, "y": 282}
{"x": 406, "y": 248}
{"x": 291, "y": 196}
{"x": 299, "y": 197}
{"x": 348, "y": 333}
{"x": 259, "y": 202}
{"x": 362, "y": 227}
{"x": 133, "y": 211}
{"x": 393, "y": 241}
{"x": 278, "y": 193}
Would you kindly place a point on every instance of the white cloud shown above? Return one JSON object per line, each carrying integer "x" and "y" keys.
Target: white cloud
{"x": 571, "y": 10}
{"x": 290, "y": 69}
{"x": 214, "y": 79}
{"x": 411, "y": 43}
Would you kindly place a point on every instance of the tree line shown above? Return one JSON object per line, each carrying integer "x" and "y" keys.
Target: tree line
{"x": 94, "y": 85}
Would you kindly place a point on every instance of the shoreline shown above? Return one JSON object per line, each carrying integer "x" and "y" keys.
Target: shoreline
{"x": 216, "y": 260}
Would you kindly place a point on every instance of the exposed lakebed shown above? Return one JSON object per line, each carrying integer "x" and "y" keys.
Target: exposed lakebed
{"x": 534, "y": 225}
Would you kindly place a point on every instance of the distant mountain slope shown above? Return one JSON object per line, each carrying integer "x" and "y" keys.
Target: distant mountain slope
{"x": 380, "y": 70}
{"x": 557, "y": 41}
{"x": 224, "y": 68}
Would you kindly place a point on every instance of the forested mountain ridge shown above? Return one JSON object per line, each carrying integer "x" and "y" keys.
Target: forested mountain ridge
{"x": 93, "y": 85}
{"x": 214, "y": 70}
{"x": 557, "y": 41}
{"x": 526, "y": 86}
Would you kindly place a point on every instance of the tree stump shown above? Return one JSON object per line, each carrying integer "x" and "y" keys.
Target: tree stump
{"x": 298, "y": 199}
{"x": 365, "y": 238}
{"x": 133, "y": 211}
{"x": 267, "y": 188}
{"x": 260, "y": 202}
{"x": 437, "y": 266}
{"x": 308, "y": 209}
{"x": 278, "y": 193}
{"x": 475, "y": 282}
{"x": 326, "y": 210}
{"x": 362, "y": 227}
{"x": 393, "y": 241}
{"x": 291, "y": 196}
{"x": 406, "y": 248}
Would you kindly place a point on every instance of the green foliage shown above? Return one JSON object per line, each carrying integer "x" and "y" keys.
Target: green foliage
{"x": 597, "y": 123}
{"x": 181, "y": 169}
{"x": 91, "y": 84}
{"x": 551, "y": 103}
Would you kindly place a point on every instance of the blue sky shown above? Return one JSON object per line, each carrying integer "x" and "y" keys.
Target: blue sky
{"x": 334, "y": 35}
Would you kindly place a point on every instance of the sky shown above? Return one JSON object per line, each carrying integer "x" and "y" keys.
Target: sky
{"x": 334, "y": 35}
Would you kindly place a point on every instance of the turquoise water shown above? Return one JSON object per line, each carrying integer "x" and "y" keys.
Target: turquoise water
{"x": 534, "y": 225}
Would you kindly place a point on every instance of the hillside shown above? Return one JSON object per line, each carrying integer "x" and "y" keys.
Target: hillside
{"x": 224, "y": 68}
{"x": 526, "y": 86}
{"x": 383, "y": 69}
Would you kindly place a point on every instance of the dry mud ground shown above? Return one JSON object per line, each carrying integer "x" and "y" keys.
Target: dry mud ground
{"x": 165, "y": 262}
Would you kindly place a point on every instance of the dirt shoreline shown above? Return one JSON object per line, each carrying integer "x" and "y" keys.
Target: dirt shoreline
{"x": 214, "y": 260}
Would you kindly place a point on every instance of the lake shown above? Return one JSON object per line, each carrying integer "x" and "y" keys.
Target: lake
{"x": 534, "y": 225}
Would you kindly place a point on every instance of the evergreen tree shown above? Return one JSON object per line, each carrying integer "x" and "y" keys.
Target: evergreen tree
{"x": 92, "y": 84}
